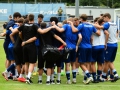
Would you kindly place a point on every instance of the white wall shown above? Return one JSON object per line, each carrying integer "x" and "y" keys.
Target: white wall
{"x": 94, "y": 11}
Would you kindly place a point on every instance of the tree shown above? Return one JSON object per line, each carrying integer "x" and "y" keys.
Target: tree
{"x": 89, "y": 2}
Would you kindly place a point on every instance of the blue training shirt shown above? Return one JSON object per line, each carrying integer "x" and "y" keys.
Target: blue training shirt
{"x": 70, "y": 37}
{"x": 106, "y": 26}
{"x": 86, "y": 31}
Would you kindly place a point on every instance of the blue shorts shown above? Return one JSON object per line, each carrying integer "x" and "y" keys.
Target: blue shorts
{"x": 72, "y": 56}
{"x": 10, "y": 52}
{"x": 110, "y": 53}
{"x": 85, "y": 55}
{"x": 98, "y": 55}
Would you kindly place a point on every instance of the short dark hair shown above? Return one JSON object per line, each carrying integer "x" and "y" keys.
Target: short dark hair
{"x": 40, "y": 16}
{"x": 43, "y": 25}
{"x": 54, "y": 19}
{"x": 16, "y": 14}
{"x": 84, "y": 17}
{"x": 100, "y": 21}
{"x": 107, "y": 15}
{"x": 31, "y": 17}
{"x": 96, "y": 19}
{"x": 21, "y": 20}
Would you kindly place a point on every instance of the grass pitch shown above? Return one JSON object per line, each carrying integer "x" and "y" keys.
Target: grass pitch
{"x": 15, "y": 85}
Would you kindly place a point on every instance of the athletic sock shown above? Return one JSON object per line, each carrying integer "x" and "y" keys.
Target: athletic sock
{"x": 68, "y": 75}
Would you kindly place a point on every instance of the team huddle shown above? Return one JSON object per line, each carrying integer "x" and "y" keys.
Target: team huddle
{"x": 88, "y": 44}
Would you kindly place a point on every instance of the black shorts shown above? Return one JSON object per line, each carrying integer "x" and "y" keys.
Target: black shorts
{"x": 18, "y": 55}
{"x": 42, "y": 61}
{"x": 30, "y": 53}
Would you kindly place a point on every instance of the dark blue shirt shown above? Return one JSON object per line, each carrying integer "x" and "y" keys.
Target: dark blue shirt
{"x": 86, "y": 31}
{"x": 70, "y": 37}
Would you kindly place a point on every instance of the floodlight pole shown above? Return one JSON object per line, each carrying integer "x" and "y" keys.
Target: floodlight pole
{"x": 35, "y": 1}
{"x": 77, "y": 8}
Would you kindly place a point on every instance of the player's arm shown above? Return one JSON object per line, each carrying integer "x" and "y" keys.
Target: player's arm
{"x": 59, "y": 39}
{"x": 74, "y": 29}
{"x": 42, "y": 31}
{"x": 78, "y": 42}
{"x": 98, "y": 26}
{"x": 11, "y": 29}
{"x": 79, "y": 39}
{"x": 117, "y": 33}
{"x": 3, "y": 34}
{"x": 12, "y": 35}
{"x": 106, "y": 38}
{"x": 98, "y": 32}
{"x": 59, "y": 29}
{"x": 20, "y": 35}
{"x": 29, "y": 41}
{"x": 91, "y": 39}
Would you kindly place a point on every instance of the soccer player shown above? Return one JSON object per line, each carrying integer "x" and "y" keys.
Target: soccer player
{"x": 70, "y": 39}
{"x": 98, "y": 49}
{"x": 16, "y": 55}
{"x": 48, "y": 40}
{"x": 29, "y": 33}
{"x": 111, "y": 50}
{"x": 85, "y": 50}
{"x": 37, "y": 43}
{"x": 76, "y": 23}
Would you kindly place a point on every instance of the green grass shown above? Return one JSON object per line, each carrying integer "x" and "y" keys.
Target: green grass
{"x": 15, "y": 85}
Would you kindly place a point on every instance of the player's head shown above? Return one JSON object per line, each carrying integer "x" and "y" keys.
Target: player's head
{"x": 96, "y": 19}
{"x": 64, "y": 22}
{"x": 40, "y": 18}
{"x": 106, "y": 17}
{"x": 76, "y": 21}
{"x": 31, "y": 17}
{"x": 83, "y": 17}
{"x": 55, "y": 19}
{"x": 100, "y": 21}
{"x": 43, "y": 25}
{"x": 16, "y": 16}
{"x": 21, "y": 21}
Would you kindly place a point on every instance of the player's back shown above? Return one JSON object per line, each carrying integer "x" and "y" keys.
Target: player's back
{"x": 86, "y": 32}
{"x": 98, "y": 40}
{"x": 112, "y": 33}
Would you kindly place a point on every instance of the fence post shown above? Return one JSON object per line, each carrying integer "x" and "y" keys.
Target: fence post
{"x": 25, "y": 8}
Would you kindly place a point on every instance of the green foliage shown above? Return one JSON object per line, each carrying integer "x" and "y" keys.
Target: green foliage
{"x": 109, "y": 3}
{"x": 116, "y": 5}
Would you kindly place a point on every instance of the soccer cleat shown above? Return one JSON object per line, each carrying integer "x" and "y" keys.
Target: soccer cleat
{"x": 84, "y": 81}
{"x": 28, "y": 81}
{"x": 4, "y": 74}
{"x": 47, "y": 82}
{"x": 58, "y": 81}
{"x": 68, "y": 82}
{"x": 74, "y": 81}
{"x": 89, "y": 80}
{"x": 14, "y": 78}
{"x": 52, "y": 81}
{"x": 39, "y": 81}
{"x": 10, "y": 77}
{"x": 115, "y": 79}
{"x": 95, "y": 81}
{"x": 22, "y": 79}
